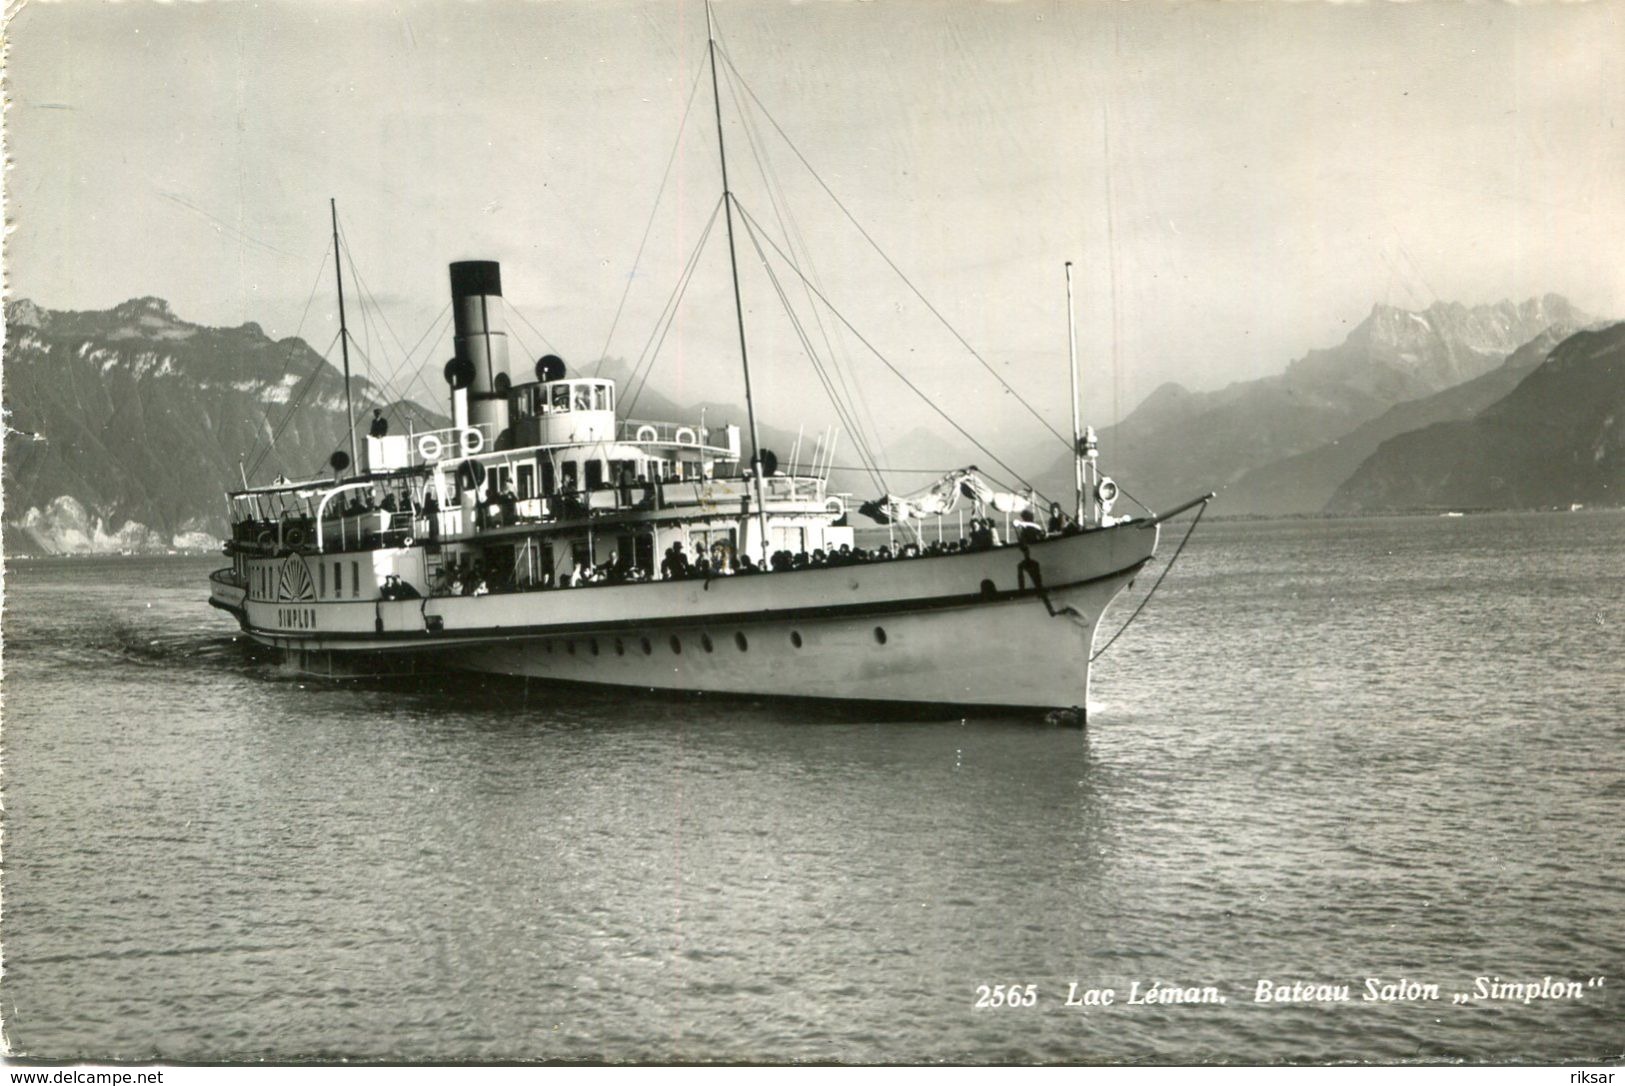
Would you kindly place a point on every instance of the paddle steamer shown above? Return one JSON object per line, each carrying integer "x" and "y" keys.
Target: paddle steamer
{"x": 544, "y": 534}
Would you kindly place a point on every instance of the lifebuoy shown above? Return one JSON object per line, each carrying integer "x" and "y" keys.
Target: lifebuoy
{"x": 294, "y": 537}
{"x": 836, "y": 507}
{"x": 264, "y": 538}
{"x": 648, "y": 433}
{"x": 470, "y": 441}
{"x": 691, "y": 439}
{"x": 1107, "y": 491}
{"x": 430, "y": 447}
{"x": 470, "y": 475}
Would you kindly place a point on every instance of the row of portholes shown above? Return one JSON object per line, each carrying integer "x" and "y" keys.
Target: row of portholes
{"x": 706, "y": 643}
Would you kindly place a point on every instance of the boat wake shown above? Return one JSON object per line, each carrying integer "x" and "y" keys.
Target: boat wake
{"x": 132, "y": 643}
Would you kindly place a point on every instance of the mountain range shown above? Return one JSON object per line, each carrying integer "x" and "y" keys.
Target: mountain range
{"x": 1558, "y": 439}
{"x": 1179, "y": 443}
{"x": 125, "y": 425}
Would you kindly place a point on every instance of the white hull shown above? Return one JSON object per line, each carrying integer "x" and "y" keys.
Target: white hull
{"x": 963, "y": 629}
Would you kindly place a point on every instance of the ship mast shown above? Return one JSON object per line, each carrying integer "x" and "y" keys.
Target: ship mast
{"x": 344, "y": 334}
{"x": 739, "y": 305}
{"x": 1077, "y": 422}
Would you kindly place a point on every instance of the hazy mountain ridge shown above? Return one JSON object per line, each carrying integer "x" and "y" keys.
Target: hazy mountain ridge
{"x": 125, "y": 425}
{"x": 1308, "y": 480}
{"x": 1181, "y": 443}
{"x": 1558, "y": 438}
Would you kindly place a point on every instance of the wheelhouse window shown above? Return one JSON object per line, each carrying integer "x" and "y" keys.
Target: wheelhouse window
{"x": 561, "y": 397}
{"x": 600, "y": 397}
{"x": 583, "y": 397}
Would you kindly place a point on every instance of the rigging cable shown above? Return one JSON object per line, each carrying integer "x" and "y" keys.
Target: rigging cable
{"x": 857, "y": 408}
{"x": 885, "y": 361}
{"x": 801, "y": 333}
{"x": 294, "y": 400}
{"x": 386, "y": 385}
{"x": 521, "y": 315}
{"x": 632, "y": 275}
{"x": 288, "y": 354}
{"x": 668, "y": 314}
{"x": 1165, "y": 570}
{"x": 890, "y": 263}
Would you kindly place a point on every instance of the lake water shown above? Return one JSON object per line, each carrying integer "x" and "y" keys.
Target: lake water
{"x": 1330, "y": 750}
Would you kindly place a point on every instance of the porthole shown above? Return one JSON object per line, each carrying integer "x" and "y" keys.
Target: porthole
{"x": 795, "y": 638}
{"x": 648, "y": 649}
{"x": 739, "y": 639}
{"x": 676, "y": 646}
{"x": 620, "y": 647}
{"x": 592, "y": 646}
{"x": 880, "y": 635}
{"x": 705, "y": 642}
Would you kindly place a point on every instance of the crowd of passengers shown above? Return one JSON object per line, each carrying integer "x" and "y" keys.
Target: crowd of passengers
{"x": 467, "y": 575}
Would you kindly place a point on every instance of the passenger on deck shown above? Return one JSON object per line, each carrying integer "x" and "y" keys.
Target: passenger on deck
{"x": 624, "y": 482}
{"x": 380, "y": 425}
{"x": 675, "y": 564}
{"x": 431, "y": 512}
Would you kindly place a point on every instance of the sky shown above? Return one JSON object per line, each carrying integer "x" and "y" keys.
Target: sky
{"x": 1235, "y": 183}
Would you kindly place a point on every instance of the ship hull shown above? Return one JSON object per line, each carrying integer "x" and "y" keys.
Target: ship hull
{"x": 998, "y": 629}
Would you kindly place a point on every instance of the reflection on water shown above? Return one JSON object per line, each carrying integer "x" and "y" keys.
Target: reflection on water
{"x": 1330, "y": 750}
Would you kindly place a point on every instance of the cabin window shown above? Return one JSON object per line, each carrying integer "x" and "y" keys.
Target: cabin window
{"x": 355, "y": 579}
{"x": 583, "y": 397}
{"x": 579, "y": 554}
{"x": 561, "y": 397}
{"x": 321, "y": 570}
{"x": 595, "y": 474}
{"x": 549, "y": 483}
{"x": 527, "y": 481}
{"x": 570, "y": 477}
{"x": 503, "y": 478}
{"x": 338, "y": 578}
